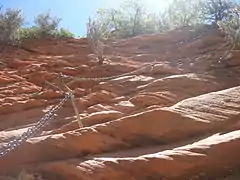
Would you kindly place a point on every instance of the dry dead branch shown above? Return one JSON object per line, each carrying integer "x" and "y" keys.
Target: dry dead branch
{"x": 94, "y": 36}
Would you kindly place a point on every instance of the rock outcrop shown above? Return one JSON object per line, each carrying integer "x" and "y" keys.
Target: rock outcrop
{"x": 177, "y": 120}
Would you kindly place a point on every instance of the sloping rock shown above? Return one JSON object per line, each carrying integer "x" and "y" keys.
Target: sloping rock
{"x": 153, "y": 98}
{"x": 95, "y": 98}
{"x": 169, "y": 90}
{"x": 92, "y": 119}
{"x": 124, "y": 85}
{"x": 209, "y": 155}
{"x": 215, "y": 107}
{"x": 133, "y": 127}
{"x": 188, "y": 83}
{"x": 158, "y": 126}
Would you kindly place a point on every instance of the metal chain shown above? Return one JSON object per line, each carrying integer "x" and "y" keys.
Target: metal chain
{"x": 35, "y": 129}
{"x": 107, "y": 78}
{"x": 51, "y": 113}
{"x": 95, "y": 79}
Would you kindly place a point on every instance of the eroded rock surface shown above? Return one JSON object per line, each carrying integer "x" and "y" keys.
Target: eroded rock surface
{"x": 177, "y": 120}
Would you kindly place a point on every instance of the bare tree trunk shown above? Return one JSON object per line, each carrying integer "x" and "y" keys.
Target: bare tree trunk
{"x": 135, "y": 21}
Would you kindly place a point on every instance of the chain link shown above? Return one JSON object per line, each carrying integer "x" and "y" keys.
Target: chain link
{"x": 35, "y": 129}
{"x": 110, "y": 77}
{"x": 51, "y": 113}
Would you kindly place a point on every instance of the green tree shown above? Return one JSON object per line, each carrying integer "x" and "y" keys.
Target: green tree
{"x": 128, "y": 20}
{"x": 64, "y": 33}
{"x": 46, "y": 24}
{"x": 10, "y": 23}
{"x": 184, "y": 13}
{"x": 109, "y": 20}
{"x": 136, "y": 14}
{"x": 28, "y": 33}
{"x": 163, "y": 22}
{"x": 216, "y": 10}
{"x": 231, "y": 27}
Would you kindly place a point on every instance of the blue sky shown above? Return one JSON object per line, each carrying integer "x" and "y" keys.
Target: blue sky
{"x": 74, "y": 13}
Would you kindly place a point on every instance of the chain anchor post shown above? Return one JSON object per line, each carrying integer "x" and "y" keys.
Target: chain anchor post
{"x": 76, "y": 109}
{"x": 80, "y": 124}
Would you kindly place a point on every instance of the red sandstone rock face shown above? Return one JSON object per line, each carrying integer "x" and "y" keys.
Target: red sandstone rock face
{"x": 174, "y": 121}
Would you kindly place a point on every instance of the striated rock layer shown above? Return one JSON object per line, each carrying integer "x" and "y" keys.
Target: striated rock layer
{"x": 177, "y": 120}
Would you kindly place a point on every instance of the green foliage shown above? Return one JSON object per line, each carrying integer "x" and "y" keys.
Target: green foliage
{"x": 184, "y": 13}
{"x": 28, "y": 33}
{"x": 107, "y": 21}
{"x": 136, "y": 17}
{"x": 216, "y": 10}
{"x": 35, "y": 32}
{"x": 10, "y": 23}
{"x": 128, "y": 20}
{"x": 231, "y": 27}
{"x": 64, "y": 33}
{"x": 132, "y": 19}
{"x": 162, "y": 22}
{"x": 46, "y": 24}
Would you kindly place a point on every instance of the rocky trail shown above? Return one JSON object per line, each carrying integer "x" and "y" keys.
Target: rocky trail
{"x": 176, "y": 120}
